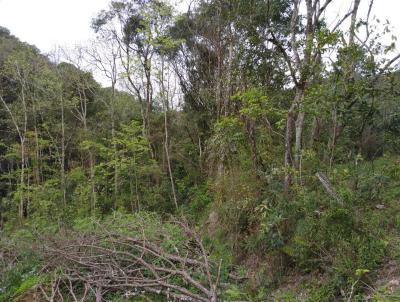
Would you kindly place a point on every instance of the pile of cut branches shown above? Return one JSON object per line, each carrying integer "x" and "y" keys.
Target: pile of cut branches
{"x": 99, "y": 263}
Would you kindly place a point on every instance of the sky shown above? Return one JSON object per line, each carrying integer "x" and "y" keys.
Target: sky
{"x": 51, "y": 23}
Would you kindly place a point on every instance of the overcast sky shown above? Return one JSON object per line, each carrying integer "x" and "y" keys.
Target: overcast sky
{"x": 47, "y": 23}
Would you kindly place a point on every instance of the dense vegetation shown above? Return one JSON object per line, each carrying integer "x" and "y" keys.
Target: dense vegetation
{"x": 240, "y": 151}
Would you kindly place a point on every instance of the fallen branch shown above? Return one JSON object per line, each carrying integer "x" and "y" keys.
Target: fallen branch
{"x": 328, "y": 187}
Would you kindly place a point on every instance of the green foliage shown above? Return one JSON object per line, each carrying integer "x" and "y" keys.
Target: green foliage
{"x": 199, "y": 200}
{"x": 141, "y": 224}
{"x": 28, "y": 284}
{"x": 78, "y": 157}
{"x": 227, "y": 140}
{"x": 16, "y": 278}
{"x": 257, "y": 106}
{"x": 234, "y": 294}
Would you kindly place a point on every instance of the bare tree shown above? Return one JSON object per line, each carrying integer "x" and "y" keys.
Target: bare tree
{"x": 167, "y": 93}
{"x": 82, "y": 85}
{"x": 104, "y": 54}
{"x": 137, "y": 28}
{"x": 61, "y": 141}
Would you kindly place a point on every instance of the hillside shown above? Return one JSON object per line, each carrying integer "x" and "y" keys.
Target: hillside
{"x": 240, "y": 151}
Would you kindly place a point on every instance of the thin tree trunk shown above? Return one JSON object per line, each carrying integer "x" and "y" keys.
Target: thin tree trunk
{"x": 37, "y": 154}
{"x": 314, "y": 131}
{"x": 353, "y": 22}
{"x": 23, "y": 139}
{"x": 200, "y": 154}
{"x": 165, "y": 97}
{"x": 253, "y": 143}
{"x": 299, "y": 134}
{"x": 291, "y": 125}
{"x": 136, "y": 185}
{"x": 27, "y": 199}
{"x": 229, "y": 73}
{"x": 114, "y": 144}
{"x": 92, "y": 184}
{"x": 62, "y": 160}
{"x": 218, "y": 91}
{"x": 333, "y": 137}
{"x": 149, "y": 104}
{"x": 169, "y": 161}
{"x": 288, "y": 149}
{"x": 22, "y": 180}
{"x": 83, "y": 114}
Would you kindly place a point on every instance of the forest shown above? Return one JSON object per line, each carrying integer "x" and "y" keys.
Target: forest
{"x": 236, "y": 150}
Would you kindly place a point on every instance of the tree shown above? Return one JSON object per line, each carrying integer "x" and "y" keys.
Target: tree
{"x": 80, "y": 90}
{"x": 23, "y": 67}
{"x": 137, "y": 27}
{"x": 104, "y": 55}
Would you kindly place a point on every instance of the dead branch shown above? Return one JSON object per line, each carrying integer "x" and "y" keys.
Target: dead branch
{"x": 328, "y": 187}
{"x": 133, "y": 265}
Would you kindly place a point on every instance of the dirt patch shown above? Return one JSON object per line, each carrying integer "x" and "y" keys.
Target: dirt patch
{"x": 387, "y": 282}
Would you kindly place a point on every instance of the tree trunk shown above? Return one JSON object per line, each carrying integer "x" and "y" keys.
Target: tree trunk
{"x": 91, "y": 169}
{"x": 149, "y": 103}
{"x": 115, "y": 196}
{"x": 332, "y": 143}
{"x": 62, "y": 160}
{"x": 92, "y": 184}
{"x": 353, "y": 22}
{"x": 299, "y": 134}
{"x": 37, "y": 155}
{"x": 291, "y": 125}
{"x": 165, "y": 98}
{"x": 169, "y": 161}
{"x": 22, "y": 180}
{"x": 253, "y": 143}
{"x": 288, "y": 149}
